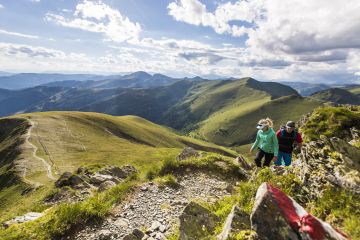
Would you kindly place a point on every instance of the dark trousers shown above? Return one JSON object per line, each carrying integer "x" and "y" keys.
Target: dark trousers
{"x": 268, "y": 157}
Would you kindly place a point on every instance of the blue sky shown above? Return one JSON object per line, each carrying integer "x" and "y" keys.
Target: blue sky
{"x": 297, "y": 40}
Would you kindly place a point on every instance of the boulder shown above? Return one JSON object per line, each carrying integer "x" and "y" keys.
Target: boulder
{"x": 138, "y": 233}
{"x": 242, "y": 163}
{"x": 346, "y": 149}
{"x": 187, "y": 153}
{"x": 99, "y": 178}
{"x": 196, "y": 222}
{"x": 24, "y": 218}
{"x": 75, "y": 180}
{"x": 106, "y": 185}
{"x": 328, "y": 161}
{"x": 277, "y": 216}
{"x": 105, "y": 234}
{"x": 63, "y": 180}
{"x": 129, "y": 170}
{"x": 236, "y": 221}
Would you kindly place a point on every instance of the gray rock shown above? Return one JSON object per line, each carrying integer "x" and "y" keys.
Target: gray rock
{"x": 121, "y": 222}
{"x": 63, "y": 180}
{"x": 24, "y": 218}
{"x": 277, "y": 216}
{"x": 242, "y": 163}
{"x": 106, "y": 185}
{"x": 99, "y": 178}
{"x": 155, "y": 226}
{"x": 129, "y": 170}
{"x": 75, "y": 180}
{"x": 105, "y": 234}
{"x": 187, "y": 153}
{"x": 138, "y": 233}
{"x": 196, "y": 222}
{"x": 236, "y": 221}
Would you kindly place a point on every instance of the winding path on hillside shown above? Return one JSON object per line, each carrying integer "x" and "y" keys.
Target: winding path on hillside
{"x": 35, "y": 148}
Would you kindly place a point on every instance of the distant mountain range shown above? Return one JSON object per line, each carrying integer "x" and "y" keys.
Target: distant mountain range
{"x": 133, "y": 80}
{"x": 211, "y": 110}
{"x": 338, "y": 96}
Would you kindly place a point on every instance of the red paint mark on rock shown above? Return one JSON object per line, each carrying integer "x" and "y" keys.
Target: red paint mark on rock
{"x": 305, "y": 223}
{"x": 311, "y": 226}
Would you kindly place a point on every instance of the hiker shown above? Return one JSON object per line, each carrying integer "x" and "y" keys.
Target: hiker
{"x": 266, "y": 143}
{"x": 287, "y": 136}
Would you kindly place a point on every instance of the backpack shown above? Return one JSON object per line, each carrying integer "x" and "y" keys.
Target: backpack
{"x": 283, "y": 130}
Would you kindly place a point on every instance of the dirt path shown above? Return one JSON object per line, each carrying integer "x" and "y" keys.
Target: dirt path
{"x": 153, "y": 205}
{"x": 35, "y": 148}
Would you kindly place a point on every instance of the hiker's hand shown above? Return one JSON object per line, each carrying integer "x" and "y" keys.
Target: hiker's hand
{"x": 274, "y": 158}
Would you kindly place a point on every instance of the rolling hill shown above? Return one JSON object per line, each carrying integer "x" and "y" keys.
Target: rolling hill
{"x": 354, "y": 89}
{"x": 226, "y": 112}
{"x": 338, "y": 96}
{"x": 36, "y": 148}
{"x": 209, "y": 110}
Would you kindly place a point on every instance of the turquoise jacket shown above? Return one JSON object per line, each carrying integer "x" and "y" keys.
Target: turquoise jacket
{"x": 267, "y": 141}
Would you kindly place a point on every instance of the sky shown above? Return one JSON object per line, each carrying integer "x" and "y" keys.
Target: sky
{"x": 272, "y": 40}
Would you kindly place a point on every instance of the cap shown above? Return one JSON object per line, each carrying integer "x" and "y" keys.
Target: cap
{"x": 290, "y": 124}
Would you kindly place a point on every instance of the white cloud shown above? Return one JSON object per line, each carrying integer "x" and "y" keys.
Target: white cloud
{"x": 298, "y": 39}
{"x": 292, "y": 26}
{"x": 195, "y": 12}
{"x": 1, "y": 6}
{"x": 307, "y": 26}
{"x": 98, "y": 17}
{"x": 18, "y": 34}
{"x": 353, "y": 63}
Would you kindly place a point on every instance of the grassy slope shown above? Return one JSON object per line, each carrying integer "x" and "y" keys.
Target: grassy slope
{"x": 67, "y": 140}
{"x": 355, "y": 90}
{"x": 337, "y": 95}
{"x": 234, "y": 125}
{"x": 208, "y": 98}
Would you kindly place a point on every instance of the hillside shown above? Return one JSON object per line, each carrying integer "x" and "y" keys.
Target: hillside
{"x": 37, "y": 148}
{"x": 337, "y": 95}
{"x": 214, "y": 110}
{"x": 354, "y": 90}
{"x": 195, "y": 196}
{"x": 226, "y": 112}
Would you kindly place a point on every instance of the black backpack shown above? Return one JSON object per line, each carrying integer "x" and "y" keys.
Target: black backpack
{"x": 283, "y": 130}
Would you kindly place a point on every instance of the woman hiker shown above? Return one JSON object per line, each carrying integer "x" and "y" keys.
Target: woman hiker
{"x": 266, "y": 143}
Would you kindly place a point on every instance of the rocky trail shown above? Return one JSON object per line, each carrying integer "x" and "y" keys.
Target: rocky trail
{"x": 156, "y": 209}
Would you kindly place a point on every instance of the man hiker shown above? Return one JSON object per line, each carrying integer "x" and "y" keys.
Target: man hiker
{"x": 266, "y": 143}
{"x": 287, "y": 137}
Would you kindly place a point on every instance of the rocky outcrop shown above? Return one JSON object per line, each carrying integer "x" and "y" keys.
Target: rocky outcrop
{"x": 277, "y": 216}
{"x": 188, "y": 152}
{"x": 328, "y": 161}
{"x": 79, "y": 185}
{"x": 197, "y": 222}
{"x": 24, "y": 218}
